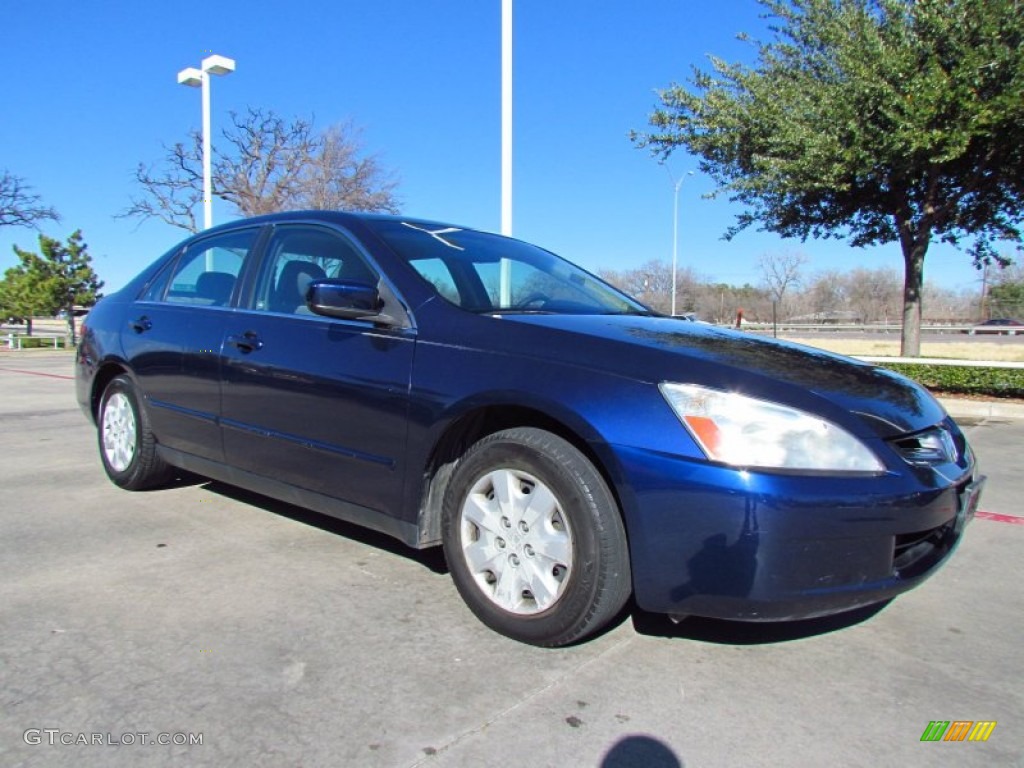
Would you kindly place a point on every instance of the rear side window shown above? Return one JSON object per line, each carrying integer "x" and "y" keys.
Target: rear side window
{"x": 206, "y": 273}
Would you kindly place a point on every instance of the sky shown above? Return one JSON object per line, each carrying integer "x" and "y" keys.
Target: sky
{"x": 91, "y": 91}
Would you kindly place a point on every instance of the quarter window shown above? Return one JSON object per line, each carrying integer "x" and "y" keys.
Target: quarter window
{"x": 436, "y": 272}
{"x": 208, "y": 270}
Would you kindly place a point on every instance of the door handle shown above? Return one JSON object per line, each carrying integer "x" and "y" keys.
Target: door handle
{"x": 141, "y": 325}
{"x": 247, "y": 342}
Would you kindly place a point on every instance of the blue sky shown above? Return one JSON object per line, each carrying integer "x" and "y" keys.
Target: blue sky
{"x": 91, "y": 91}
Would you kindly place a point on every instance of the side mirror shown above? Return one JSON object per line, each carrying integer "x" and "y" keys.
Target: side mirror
{"x": 346, "y": 299}
{"x": 342, "y": 298}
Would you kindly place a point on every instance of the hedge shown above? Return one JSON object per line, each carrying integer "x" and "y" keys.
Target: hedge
{"x": 965, "y": 380}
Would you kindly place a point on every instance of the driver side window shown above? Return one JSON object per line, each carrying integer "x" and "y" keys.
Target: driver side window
{"x": 298, "y": 255}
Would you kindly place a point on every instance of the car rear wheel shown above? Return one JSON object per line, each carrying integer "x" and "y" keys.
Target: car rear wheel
{"x": 534, "y": 539}
{"x": 127, "y": 444}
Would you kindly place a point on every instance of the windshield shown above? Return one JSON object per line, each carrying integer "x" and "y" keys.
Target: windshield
{"x": 482, "y": 272}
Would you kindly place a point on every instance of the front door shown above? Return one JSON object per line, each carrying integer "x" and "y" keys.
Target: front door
{"x": 315, "y": 402}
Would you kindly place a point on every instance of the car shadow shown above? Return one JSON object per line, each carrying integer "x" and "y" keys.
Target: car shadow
{"x": 696, "y": 628}
{"x": 722, "y": 632}
{"x": 431, "y": 558}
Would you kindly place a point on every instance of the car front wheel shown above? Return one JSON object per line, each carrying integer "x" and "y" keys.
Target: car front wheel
{"x": 127, "y": 444}
{"x": 534, "y": 539}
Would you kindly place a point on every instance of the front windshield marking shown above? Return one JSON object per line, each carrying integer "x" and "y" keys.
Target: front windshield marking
{"x": 436, "y": 234}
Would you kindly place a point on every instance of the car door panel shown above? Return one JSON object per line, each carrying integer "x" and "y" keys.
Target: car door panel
{"x": 173, "y": 340}
{"x": 175, "y": 357}
{"x": 320, "y": 404}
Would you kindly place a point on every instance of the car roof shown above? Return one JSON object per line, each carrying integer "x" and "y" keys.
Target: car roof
{"x": 338, "y": 217}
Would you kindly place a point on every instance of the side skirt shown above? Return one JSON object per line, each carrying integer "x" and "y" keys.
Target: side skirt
{"x": 407, "y": 533}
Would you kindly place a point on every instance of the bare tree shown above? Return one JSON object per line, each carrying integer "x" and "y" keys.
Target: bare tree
{"x": 261, "y": 172}
{"x": 875, "y": 295}
{"x": 826, "y": 295}
{"x": 651, "y": 283}
{"x": 339, "y": 177}
{"x": 173, "y": 193}
{"x": 265, "y": 164}
{"x": 950, "y": 305}
{"x": 780, "y": 272}
{"x": 19, "y": 206}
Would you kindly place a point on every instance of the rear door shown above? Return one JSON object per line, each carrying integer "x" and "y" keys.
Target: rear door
{"x": 174, "y": 339}
{"x": 316, "y": 402}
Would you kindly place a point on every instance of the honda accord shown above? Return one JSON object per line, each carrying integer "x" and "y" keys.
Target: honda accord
{"x": 566, "y": 446}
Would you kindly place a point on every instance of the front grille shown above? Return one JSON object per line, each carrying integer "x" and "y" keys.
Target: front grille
{"x": 932, "y": 446}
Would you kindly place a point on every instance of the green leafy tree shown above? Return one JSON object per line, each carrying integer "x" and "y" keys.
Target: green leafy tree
{"x": 1006, "y": 298}
{"x": 59, "y": 277}
{"x": 22, "y": 295}
{"x": 877, "y": 121}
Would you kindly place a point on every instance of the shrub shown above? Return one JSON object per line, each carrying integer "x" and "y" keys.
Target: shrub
{"x": 963, "y": 379}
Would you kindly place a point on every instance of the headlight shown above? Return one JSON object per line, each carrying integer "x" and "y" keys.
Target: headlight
{"x": 746, "y": 432}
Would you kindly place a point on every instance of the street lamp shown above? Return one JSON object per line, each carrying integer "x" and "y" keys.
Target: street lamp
{"x": 506, "y": 117}
{"x": 200, "y": 78}
{"x": 677, "y": 183}
{"x": 505, "y": 268}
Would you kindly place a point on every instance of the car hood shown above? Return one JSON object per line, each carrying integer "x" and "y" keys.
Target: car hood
{"x": 664, "y": 349}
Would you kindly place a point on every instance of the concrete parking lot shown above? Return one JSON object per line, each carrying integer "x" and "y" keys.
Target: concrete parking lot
{"x": 281, "y": 638}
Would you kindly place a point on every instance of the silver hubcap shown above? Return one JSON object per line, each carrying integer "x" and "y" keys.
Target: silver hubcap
{"x": 118, "y": 432}
{"x": 516, "y": 541}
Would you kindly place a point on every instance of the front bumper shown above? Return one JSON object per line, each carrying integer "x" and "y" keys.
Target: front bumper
{"x": 714, "y": 541}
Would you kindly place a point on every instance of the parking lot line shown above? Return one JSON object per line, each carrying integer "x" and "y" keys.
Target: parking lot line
{"x": 1011, "y": 519}
{"x": 37, "y": 373}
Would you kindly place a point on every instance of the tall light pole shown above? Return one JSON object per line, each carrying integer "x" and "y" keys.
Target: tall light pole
{"x": 505, "y": 271}
{"x": 200, "y": 78}
{"x": 506, "y": 117}
{"x": 677, "y": 183}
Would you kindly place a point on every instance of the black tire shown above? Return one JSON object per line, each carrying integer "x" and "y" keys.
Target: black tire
{"x": 585, "y": 522}
{"x": 122, "y": 423}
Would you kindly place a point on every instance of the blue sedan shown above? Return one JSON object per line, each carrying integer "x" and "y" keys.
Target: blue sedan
{"x": 566, "y": 446}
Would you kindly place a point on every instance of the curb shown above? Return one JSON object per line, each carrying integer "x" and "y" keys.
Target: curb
{"x": 953, "y": 363}
{"x": 982, "y": 409}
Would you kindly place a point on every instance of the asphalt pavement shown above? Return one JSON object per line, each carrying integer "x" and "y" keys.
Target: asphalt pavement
{"x": 246, "y": 632}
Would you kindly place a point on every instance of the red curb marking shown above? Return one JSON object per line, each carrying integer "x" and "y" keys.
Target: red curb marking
{"x": 37, "y": 373}
{"x": 1011, "y": 519}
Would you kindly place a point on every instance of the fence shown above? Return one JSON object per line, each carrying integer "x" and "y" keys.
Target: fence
{"x": 884, "y": 328}
{"x": 47, "y": 340}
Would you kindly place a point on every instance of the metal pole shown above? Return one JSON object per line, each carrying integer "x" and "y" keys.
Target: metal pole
{"x": 675, "y": 228}
{"x": 506, "y": 117}
{"x": 675, "y": 241}
{"x": 207, "y": 174}
{"x": 505, "y": 277}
